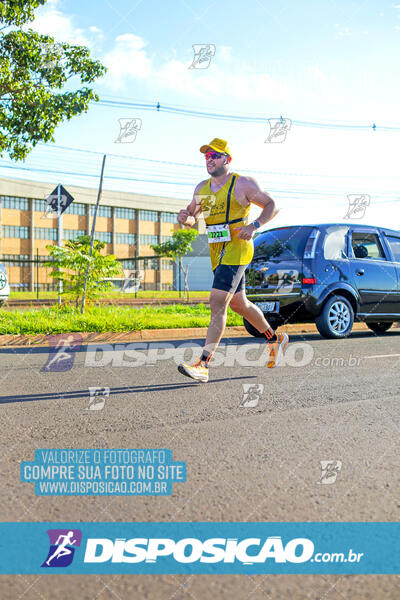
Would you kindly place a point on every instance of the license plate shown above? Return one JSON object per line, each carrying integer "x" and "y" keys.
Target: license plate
{"x": 268, "y": 307}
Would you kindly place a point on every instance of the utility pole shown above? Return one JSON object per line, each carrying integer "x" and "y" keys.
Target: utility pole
{"x": 60, "y": 235}
{"x": 92, "y": 235}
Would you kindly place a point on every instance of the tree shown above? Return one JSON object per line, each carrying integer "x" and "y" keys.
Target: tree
{"x": 39, "y": 81}
{"x": 176, "y": 249}
{"x": 69, "y": 265}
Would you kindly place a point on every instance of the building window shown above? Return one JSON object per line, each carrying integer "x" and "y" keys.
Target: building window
{"x": 169, "y": 217}
{"x": 150, "y": 263}
{"x": 166, "y": 238}
{"x": 103, "y": 236}
{"x": 73, "y": 234}
{"x": 19, "y": 286}
{"x": 148, "y": 239}
{"x": 76, "y": 208}
{"x": 16, "y": 260}
{"x": 148, "y": 215}
{"x": 47, "y": 287}
{"x": 15, "y": 231}
{"x": 125, "y": 238}
{"x": 39, "y": 205}
{"x": 129, "y": 263}
{"x": 167, "y": 264}
{"x": 14, "y": 202}
{"x": 124, "y": 213}
{"x": 103, "y": 211}
{"x": 46, "y": 233}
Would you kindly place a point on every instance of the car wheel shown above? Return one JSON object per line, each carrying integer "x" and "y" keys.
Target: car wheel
{"x": 336, "y": 319}
{"x": 379, "y": 327}
{"x": 252, "y": 330}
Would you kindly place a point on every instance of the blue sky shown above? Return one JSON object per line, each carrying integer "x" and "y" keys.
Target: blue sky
{"x": 318, "y": 61}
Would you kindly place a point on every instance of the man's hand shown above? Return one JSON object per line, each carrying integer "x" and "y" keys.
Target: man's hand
{"x": 246, "y": 232}
{"x": 185, "y": 218}
{"x": 182, "y": 216}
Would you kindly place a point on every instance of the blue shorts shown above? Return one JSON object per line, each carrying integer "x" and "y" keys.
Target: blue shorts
{"x": 230, "y": 278}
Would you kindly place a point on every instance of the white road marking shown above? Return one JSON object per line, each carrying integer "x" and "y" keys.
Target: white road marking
{"x": 381, "y": 355}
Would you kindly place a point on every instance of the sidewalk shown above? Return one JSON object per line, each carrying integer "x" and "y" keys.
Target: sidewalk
{"x": 93, "y": 337}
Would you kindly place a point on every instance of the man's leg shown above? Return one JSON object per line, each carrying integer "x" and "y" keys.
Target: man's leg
{"x": 226, "y": 281}
{"x": 219, "y": 301}
{"x": 242, "y": 306}
{"x": 277, "y": 342}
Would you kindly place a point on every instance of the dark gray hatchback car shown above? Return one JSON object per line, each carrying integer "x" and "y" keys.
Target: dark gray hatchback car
{"x": 332, "y": 274}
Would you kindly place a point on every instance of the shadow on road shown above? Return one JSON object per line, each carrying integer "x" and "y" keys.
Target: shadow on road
{"x": 134, "y": 389}
{"x": 239, "y": 341}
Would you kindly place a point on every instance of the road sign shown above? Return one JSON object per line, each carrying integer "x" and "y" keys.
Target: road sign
{"x": 57, "y": 203}
{"x": 65, "y": 200}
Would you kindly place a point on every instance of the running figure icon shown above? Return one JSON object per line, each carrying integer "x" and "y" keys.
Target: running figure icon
{"x": 62, "y": 549}
{"x": 62, "y": 352}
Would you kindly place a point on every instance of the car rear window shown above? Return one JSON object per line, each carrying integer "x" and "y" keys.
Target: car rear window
{"x": 287, "y": 243}
{"x": 335, "y": 242}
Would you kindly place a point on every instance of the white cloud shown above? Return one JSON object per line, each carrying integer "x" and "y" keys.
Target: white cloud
{"x": 315, "y": 73}
{"x": 128, "y": 60}
{"x": 51, "y": 21}
{"x": 239, "y": 81}
{"x": 342, "y": 31}
{"x": 216, "y": 81}
{"x": 97, "y": 31}
{"x": 225, "y": 52}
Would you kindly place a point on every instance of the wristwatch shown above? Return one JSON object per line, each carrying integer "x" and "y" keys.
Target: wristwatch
{"x": 256, "y": 224}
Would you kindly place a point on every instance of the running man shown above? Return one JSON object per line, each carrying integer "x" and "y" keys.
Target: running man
{"x": 225, "y": 201}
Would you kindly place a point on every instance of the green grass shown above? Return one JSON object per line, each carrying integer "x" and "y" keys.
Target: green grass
{"x": 140, "y": 294}
{"x": 107, "y": 318}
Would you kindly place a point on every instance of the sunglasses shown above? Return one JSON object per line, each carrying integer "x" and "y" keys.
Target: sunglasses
{"x": 214, "y": 155}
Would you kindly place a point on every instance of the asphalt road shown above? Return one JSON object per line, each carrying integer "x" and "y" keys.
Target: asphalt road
{"x": 332, "y": 400}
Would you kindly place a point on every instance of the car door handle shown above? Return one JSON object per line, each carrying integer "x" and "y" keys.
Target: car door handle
{"x": 360, "y": 272}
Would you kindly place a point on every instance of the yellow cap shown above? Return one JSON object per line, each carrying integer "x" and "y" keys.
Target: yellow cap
{"x": 217, "y": 145}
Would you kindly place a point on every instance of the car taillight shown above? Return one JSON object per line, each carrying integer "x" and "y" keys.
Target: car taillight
{"x": 309, "y": 251}
{"x": 309, "y": 280}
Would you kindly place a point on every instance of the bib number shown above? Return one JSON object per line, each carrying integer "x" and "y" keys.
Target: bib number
{"x": 218, "y": 233}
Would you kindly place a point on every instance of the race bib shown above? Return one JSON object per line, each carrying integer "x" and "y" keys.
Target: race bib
{"x": 218, "y": 233}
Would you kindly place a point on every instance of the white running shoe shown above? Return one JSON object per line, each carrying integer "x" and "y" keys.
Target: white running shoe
{"x": 197, "y": 371}
{"x": 277, "y": 349}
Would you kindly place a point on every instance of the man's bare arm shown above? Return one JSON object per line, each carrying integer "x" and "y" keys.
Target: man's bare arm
{"x": 192, "y": 210}
{"x": 255, "y": 195}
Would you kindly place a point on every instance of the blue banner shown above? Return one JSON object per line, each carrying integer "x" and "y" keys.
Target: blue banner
{"x": 203, "y": 548}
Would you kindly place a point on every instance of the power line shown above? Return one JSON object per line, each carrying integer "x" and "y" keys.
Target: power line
{"x": 192, "y": 165}
{"x": 297, "y": 193}
{"x": 172, "y": 109}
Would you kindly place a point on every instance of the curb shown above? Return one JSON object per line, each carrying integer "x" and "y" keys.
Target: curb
{"x": 93, "y": 337}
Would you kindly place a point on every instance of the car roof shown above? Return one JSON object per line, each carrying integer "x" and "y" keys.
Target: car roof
{"x": 360, "y": 225}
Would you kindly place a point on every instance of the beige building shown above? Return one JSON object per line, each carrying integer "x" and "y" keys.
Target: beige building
{"x": 127, "y": 222}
